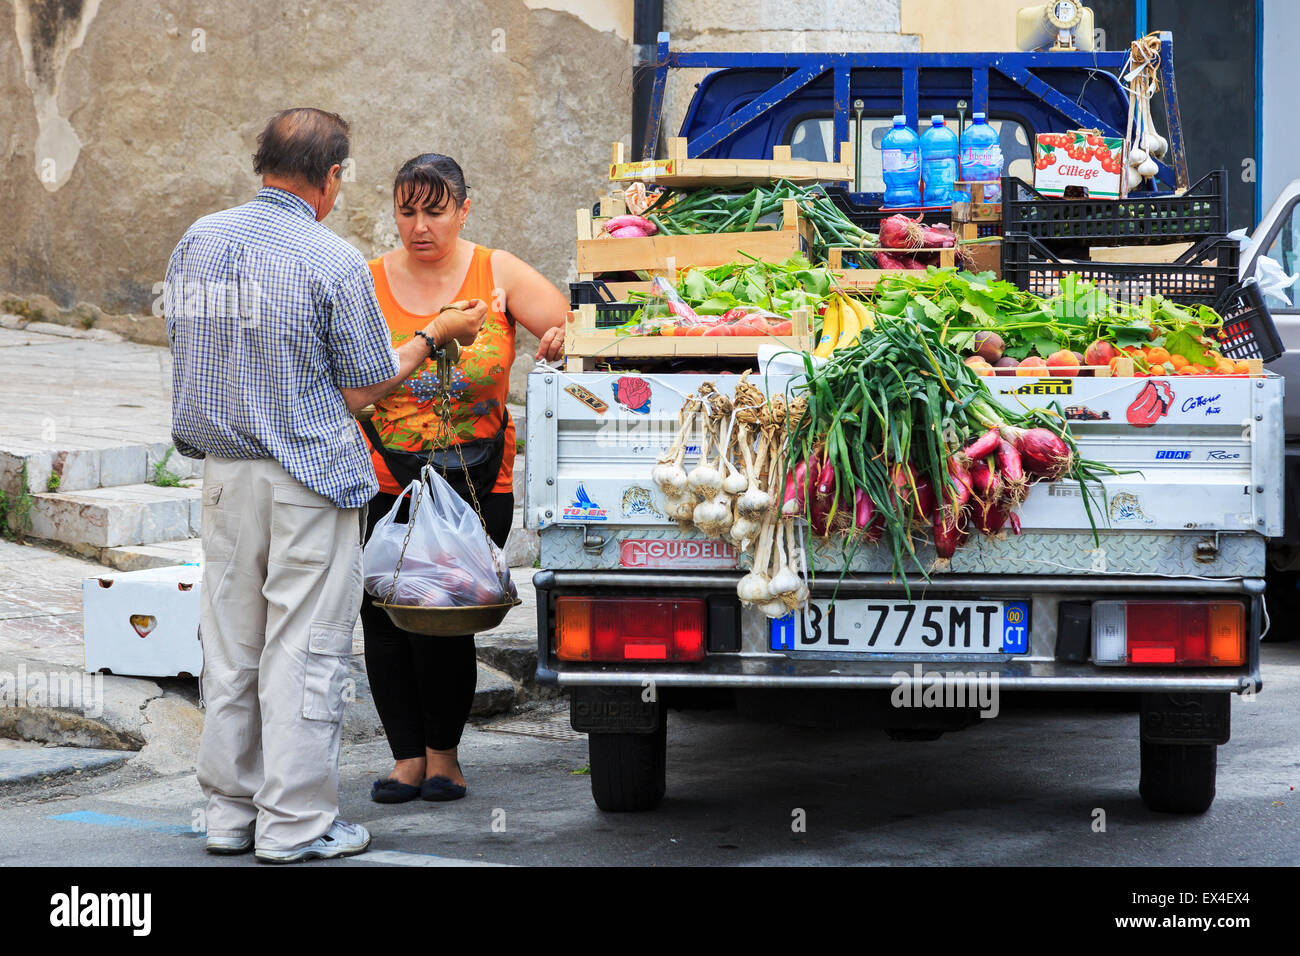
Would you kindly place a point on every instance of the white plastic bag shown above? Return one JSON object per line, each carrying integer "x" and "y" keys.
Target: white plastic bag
{"x": 1273, "y": 281}
{"x": 449, "y": 560}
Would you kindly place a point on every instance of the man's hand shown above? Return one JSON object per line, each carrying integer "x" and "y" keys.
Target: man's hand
{"x": 551, "y": 346}
{"x": 460, "y": 321}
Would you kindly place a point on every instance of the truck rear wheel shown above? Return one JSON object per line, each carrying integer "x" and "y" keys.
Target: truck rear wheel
{"x": 628, "y": 770}
{"x": 1178, "y": 778}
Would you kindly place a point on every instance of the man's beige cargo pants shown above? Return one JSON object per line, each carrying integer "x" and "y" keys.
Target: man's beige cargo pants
{"x": 281, "y": 593}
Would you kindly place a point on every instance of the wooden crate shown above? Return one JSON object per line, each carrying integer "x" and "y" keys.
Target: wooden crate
{"x": 983, "y": 256}
{"x": 680, "y": 172}
{"x": 867, "y": 278}
{"x": 666, "y": 254}
{"x": 1125, "y": 368}
{"x": 586, "y": 346}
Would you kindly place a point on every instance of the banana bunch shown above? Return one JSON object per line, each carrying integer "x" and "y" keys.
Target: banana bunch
{"x": 843, "y": 322}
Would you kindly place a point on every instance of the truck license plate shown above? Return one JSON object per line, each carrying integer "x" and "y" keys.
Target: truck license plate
{"x": 903, "y": 627}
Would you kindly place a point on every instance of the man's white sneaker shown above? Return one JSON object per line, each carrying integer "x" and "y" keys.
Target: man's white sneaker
{"x": 341, "y": 839}
{"x": 230, "y": 845}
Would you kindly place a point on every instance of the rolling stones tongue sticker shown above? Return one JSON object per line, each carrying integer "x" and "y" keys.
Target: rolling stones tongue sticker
{"x": 1151, "y": 405}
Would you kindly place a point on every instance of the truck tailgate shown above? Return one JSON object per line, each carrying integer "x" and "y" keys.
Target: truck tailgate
{"x": 1204, "y": 490}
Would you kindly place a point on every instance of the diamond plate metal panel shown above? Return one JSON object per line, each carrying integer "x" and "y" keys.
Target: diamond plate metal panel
{"x": 1125, "y": 552}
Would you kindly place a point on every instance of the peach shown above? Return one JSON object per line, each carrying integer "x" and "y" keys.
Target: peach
{"x": 1099, "y": 352}
{"x": 1034, "y": 366}
{"x": 1063, "y": 363}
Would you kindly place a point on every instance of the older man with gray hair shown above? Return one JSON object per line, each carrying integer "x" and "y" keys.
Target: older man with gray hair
{"x": 276, "y": 339}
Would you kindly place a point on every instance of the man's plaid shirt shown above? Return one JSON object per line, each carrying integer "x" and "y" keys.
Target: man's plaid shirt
{"x": 269, "y": 315}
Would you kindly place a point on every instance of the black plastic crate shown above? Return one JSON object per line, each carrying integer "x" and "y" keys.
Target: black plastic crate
{"x": 1248, "y": 331}
{"x": 1141, "y": 219}
{"x": 609, "y": 314}
{"x": 1200, "y": 276}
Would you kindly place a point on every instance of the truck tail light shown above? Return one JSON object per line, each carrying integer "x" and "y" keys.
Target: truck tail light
{"x": 629, "y": 629}
{"x": 1169, "y": 633}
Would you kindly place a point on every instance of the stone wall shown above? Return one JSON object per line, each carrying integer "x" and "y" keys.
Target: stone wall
{"x": 772, "y": 26}
{"x": 126, "y": 120}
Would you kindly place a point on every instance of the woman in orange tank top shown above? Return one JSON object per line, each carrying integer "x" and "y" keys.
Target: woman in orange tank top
{"x": 423, "y": 687}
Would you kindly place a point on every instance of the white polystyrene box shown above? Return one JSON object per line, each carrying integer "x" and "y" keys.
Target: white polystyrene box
{"x": 144, "y": 623}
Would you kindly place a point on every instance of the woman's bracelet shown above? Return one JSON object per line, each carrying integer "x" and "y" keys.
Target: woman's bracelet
{"x": 433, "y": 346}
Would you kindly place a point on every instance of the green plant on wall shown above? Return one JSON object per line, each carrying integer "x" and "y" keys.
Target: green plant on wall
{"x": 15, "y": 512}
{"x": 161, "y": 476}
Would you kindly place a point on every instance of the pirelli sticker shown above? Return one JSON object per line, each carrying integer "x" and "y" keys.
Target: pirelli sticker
{"x": 587, "y": 398}
{"x": 1044, "y": 386}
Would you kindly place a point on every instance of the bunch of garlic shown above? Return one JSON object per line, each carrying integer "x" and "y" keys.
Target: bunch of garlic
{"x": 670, "y": 474}
{"x": 1145, "y": 144}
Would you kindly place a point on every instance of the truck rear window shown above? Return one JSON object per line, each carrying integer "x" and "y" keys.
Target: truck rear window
{"x": 811, "y": 140}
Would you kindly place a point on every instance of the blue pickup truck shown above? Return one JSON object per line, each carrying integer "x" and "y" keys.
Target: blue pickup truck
{"x": 636, "y": 616}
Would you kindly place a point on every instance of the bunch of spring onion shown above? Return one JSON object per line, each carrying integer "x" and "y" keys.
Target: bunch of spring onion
{"x": 901, "y": 440}
{"x": 715, "y": 210}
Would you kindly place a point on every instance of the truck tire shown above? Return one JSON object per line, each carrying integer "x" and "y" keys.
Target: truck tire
{"x": 1178, "y": 778}
{"x": 628, "y": 770}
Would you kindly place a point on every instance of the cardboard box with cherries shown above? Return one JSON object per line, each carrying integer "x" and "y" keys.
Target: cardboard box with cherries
{"x": 1081, "y": 158}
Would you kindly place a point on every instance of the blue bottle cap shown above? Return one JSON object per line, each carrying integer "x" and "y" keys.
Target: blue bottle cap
{"x": 900, "y": 120}
{"x": 936, "y": 119}
{"x": 977, "y": 117}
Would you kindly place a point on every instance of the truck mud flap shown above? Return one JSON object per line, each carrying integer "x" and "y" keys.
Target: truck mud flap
{"x": 1185, "y": 718}
{"x": 612, "y": 710}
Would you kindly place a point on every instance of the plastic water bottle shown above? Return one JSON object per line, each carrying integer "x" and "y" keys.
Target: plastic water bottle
{"x": 938, "y": 162}
{"x": 981, "y": 158}
{"x": 900, "y": 158}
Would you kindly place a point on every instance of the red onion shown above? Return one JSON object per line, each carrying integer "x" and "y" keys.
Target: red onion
{"x": 949, "y": 531}
{"x": 983, "y": 446}
{"x": 990, "y": 516}
{"x": 937, "y": 236}
{"x": 900, "y": 232}
{"x": 961, "y": 479}
{"x": 1042, "y": 453}
{"x": 1009, "y": 462}
{"x": 923, "y": 506}
{"x": 981, "y": 477}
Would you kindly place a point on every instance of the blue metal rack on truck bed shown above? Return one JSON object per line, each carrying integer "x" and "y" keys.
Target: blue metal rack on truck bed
{"x": 1049, "y": 89}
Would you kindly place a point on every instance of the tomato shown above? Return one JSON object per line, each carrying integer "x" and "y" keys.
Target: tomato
{"x": 693, "y": 330}
{"x": 735, "y": 315}
{"x": 719, "y": 330}
{"x": 742, "y": 328}
{"x": 781, "y": 328}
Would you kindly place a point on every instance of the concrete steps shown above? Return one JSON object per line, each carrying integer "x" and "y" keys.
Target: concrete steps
{"x": 97, "y": 518}
{"x": 81, "y": 463}
{"x": 142, "y": 557}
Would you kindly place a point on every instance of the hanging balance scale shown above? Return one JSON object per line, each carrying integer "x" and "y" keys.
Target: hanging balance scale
{"x": 445, "y": 621}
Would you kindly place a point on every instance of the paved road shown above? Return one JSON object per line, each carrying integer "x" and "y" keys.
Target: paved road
{"x": 1018, "y": 790}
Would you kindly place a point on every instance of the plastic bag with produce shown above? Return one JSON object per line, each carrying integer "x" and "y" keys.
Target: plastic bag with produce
{"x": 449, "y": 561}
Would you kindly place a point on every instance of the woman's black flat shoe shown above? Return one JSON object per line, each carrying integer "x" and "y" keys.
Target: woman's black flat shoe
{"x": 441, "y": 788}
{"x": 393, "y": 791}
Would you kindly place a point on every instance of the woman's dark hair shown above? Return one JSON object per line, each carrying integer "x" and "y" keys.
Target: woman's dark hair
{"x": 429, "y": 180}
{"x": 302, "y": 143}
